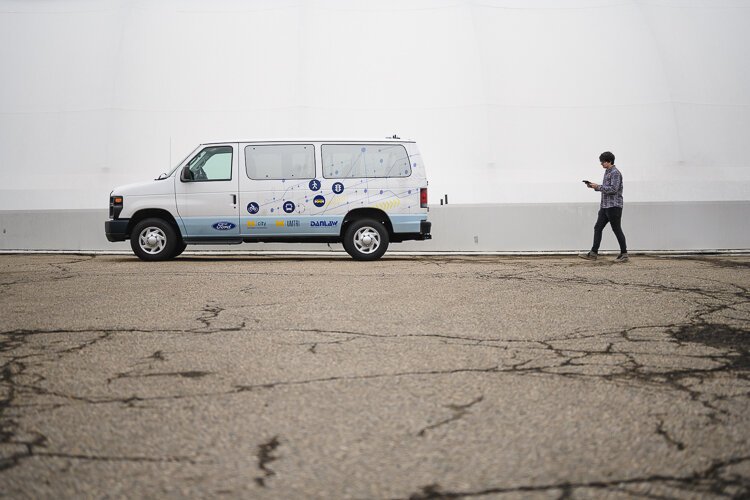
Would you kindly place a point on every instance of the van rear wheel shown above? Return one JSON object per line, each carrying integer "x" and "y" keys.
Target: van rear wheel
{"x": 366, "y": 239}
{"x": 153, "y": 239}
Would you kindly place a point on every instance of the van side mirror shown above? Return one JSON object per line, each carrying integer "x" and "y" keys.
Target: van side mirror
{"x": 186, "y": 175}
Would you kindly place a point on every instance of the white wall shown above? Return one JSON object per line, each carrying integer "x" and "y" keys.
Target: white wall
{"x": 516, "y": 227}
{"x": 511, "y": 101}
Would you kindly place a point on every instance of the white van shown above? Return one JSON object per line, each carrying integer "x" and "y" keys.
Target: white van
{"x": 364, "y": 194}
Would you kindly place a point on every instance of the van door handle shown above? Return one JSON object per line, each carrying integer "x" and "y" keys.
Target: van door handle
{"x": 234, "y": 199}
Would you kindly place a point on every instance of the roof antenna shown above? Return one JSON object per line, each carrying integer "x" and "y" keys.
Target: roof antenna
{"x": 394, "y": 137}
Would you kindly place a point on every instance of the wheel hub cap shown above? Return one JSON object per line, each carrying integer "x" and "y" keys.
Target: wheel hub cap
{"x": 152, "y": 240}
{"x": 367, "y": 240}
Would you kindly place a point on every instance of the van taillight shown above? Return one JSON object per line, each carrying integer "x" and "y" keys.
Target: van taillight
{"x": 423, "y": 197}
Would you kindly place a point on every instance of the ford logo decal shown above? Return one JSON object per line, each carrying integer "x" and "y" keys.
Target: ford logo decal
{"x": 223, "y": 226}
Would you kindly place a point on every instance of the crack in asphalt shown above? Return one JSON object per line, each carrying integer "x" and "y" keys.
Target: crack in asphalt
{"x": 183, "y": 374}
{"x": 265, "y": 457}
{"x": 562, "y": 356}
{"x": 709, "y": 480}
{"x": 733, "y": 359}
{"x": 272, "y": 385}
{"x": 158, "y": 356}
{"x": 661, "y": 431}
{"x": 106, "y": 458}
{"x": 15, "y": 367}
{"x": 314, "y": 345}
{"x": 459, "y": 411}
{"x": 716, "y": 262}
{"x": 210, "y": 313}
{"x": 565, "y": 356}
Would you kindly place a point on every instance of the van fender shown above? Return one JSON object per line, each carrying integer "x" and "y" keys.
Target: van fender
{"x": 366, "y": 213}
{"x": 159, "y": 213}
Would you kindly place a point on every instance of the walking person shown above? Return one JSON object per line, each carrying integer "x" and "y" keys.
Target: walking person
{"x": 610, "y": 209}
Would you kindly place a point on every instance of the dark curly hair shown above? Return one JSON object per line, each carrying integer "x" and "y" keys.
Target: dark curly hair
{"x": 607, "y": 156}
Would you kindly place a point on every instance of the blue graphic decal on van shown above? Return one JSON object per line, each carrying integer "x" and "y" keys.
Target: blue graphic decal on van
{"x": 253, "y": 207}
{"x": 289, "y": 207}
{"x": 319, "y": 201}
{"x": 223, "y": 226}
{"x": 338, "y": 188}
{"x": 314, "y": 185}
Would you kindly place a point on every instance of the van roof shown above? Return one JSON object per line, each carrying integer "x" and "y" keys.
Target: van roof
{"x": 308, "y": 139}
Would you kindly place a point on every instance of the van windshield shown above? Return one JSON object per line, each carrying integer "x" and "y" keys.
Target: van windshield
{"x": 169, "y": 174}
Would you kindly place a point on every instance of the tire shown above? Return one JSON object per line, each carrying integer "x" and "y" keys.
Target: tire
{"x": 153, "y": 239}
{"x": 366, "y": 239}
{"x": 179, "y": 247}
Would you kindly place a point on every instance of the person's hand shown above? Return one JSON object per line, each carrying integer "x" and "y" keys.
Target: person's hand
{"x": 593, "y": 185}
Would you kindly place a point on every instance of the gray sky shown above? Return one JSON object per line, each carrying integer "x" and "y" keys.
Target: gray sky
{"x": 510, "y": 101}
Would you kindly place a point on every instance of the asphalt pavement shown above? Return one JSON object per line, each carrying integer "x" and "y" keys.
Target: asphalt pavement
{"x": 411, "y": 377}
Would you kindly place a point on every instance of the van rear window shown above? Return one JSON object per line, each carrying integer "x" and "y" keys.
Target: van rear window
{"x": 365, "y": 160}
{"x": 288, "y": 161}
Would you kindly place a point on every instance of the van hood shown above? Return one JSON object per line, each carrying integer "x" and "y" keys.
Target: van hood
{"x": 148, "y": 188}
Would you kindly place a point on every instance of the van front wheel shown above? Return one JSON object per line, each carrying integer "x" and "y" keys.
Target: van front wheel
{"x": 366, "y": 239}
{"x": 153, "y": 239}
{"x": 179, "y": 248}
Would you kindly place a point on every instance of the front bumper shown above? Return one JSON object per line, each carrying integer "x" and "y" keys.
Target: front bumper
{"x": 117, "y": 229}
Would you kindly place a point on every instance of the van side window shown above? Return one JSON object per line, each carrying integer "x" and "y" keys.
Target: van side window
{"x": 212, "y": 164}
{"x": 365, "y": 160}
{"x": 288, "y": 161}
